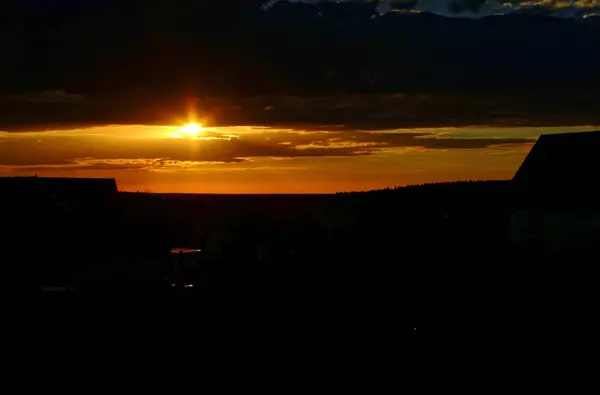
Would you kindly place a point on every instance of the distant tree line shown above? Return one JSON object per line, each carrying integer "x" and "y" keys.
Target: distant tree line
{"x": 327, "y": 233}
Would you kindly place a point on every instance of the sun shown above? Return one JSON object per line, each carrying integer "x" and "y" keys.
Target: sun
{"x": 190, "y": 129}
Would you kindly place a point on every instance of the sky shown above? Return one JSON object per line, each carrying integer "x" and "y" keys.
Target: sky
{"x": 246, "y": 159}
{"x": 161, "y": 63}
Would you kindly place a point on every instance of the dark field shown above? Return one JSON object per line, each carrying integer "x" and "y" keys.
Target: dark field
{"x": 433, "y": 257}
{"x": 391, "y": 258}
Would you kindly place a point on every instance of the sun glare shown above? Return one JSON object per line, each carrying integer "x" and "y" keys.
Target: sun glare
{"x": 191, "y": 129}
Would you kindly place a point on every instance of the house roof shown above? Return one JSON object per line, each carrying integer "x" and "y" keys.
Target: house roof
{"x": 56, "y": 226}
{"x": 68, "y": 195}
{"x": 565, "y": 163}
{"x": 64, "y": 185}
{"x": 89, "y": 187}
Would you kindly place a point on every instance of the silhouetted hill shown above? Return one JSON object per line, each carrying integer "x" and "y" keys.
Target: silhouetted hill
{"x": 320, "y": 225}
{"x": 414, "y": 254}
{"x": 360, "y": 265}
{"x": 196, "y": 47}
{"x": 357, "y": 254}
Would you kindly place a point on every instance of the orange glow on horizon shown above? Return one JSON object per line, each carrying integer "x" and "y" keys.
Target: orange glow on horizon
{"x": 190, "y": 158}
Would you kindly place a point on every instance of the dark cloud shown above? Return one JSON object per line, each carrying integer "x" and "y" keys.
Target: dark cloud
{"x": 479, "y": 8}
{"x": 378, "y": 140}
{"x": 428, "y": 141}
{"x": 333, "y": 112}
{"x": 166, "y": 50}
{"x": 45, "y": 97}
{"x": 72, "y": 165}
{"x": 94, "y": 151}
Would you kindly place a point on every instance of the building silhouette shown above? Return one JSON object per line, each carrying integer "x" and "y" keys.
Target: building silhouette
{"x": 557, "y": 194}
{"x": 56, "y": 226}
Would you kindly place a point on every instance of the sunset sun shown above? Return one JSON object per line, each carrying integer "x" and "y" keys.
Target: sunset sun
{"x": 191, "y": 129}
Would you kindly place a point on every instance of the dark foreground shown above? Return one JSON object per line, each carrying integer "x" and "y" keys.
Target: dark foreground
{"x": 515, "y": 297}
{"x": 349, "y": 270}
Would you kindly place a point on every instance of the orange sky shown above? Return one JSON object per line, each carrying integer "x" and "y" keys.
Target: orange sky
{"x": 266, "y": 160}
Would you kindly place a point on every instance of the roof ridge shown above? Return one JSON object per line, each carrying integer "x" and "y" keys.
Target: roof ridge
{"x": 65, "y": 207}
{"x": 557, "y": 157}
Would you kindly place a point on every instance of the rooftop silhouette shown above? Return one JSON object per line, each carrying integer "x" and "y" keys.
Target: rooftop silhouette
{"x": 562, "y": 167}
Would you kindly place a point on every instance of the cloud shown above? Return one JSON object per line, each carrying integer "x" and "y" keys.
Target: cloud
{"x": 94, "y": 165}
{"x": 478, "y": 7}
{"x": 55, "y": 96}
{"x": 150, "y": 148}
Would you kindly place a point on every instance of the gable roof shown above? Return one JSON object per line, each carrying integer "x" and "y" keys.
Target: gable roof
{"x": 67, "y": 195}
{"x": 565, "y": 163}
{"x": 65, "y": 185}
{"x": 94, "y": 188}
{"x": 52, "y": 224}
